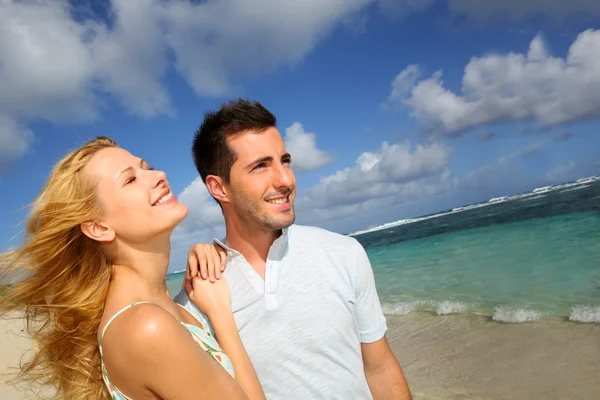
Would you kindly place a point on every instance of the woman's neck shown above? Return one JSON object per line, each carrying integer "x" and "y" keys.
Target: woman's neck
{"x": 143, "y": 271}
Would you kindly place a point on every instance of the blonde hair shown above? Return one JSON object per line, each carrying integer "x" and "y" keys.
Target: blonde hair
{"x": 66, "y": 283}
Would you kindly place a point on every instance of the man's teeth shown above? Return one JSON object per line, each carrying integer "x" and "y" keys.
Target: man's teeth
{"x": 278, "y": 201}
{"x": 164, "y": 198}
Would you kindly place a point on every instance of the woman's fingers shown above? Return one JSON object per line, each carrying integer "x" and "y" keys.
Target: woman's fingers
{"x": 192, "y": 267}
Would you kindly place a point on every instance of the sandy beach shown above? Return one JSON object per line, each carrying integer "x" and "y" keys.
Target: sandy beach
{"x": 13, "y": 343}
{"x": 471, "y": 357}
{"x": 450, "y": 358}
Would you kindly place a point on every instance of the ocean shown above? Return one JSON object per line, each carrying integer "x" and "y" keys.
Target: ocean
{"x": 519, "y": 258}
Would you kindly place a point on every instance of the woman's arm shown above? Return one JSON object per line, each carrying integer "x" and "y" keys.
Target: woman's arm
{"x": 214, "y": 300}
{"x": 231, "y": 343}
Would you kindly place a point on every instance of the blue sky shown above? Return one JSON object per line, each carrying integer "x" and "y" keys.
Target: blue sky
{"x": 391, "y": 109}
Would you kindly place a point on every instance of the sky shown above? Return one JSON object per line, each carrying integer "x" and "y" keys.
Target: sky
{"x": 391, "y": 109}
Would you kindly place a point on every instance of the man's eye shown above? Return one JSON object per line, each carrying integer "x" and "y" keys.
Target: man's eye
{"x": 259, "y": 166}
{"x": 287, "y": 161}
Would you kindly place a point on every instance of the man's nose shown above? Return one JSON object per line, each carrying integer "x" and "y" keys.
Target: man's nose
{"x": 284, "y": 176}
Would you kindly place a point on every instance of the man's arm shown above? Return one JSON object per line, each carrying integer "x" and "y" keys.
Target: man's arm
{"x": 384, "y": 375}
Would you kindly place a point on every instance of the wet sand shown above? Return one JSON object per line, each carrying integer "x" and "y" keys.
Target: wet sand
{"x": 448, "y": 358}
{"x": 471, "y": 357}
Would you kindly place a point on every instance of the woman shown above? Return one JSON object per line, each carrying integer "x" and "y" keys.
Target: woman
{"x": 96, "y": 304}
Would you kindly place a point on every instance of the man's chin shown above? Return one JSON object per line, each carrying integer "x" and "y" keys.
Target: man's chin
{"x": 281, "y": 223}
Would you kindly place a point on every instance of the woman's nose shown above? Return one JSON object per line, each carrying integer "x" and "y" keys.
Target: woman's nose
{"x": 161, "y": 178}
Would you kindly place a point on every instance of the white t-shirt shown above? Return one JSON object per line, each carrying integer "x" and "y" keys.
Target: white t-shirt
{"x": 304, "y": 324}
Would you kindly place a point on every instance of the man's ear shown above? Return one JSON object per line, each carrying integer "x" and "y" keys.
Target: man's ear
{"x": 97, "y": 231}
{"x": 217, "y": 188}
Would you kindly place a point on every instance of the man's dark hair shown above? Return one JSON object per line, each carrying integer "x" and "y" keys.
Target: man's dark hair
{"x": 210, "y": 151}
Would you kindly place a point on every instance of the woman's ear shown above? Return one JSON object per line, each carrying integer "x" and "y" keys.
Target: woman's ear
{"x": 97, "y": 231}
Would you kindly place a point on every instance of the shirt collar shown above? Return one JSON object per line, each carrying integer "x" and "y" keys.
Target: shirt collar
{"x": 282, "y": 240}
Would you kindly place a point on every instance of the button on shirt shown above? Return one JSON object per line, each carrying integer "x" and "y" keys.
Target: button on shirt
{"x": 304, "y": 324}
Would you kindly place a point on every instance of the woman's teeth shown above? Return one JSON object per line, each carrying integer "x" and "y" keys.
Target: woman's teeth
{"x": 163, "y": 199}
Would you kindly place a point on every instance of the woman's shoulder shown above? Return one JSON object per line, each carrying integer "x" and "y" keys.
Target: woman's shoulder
{"x": 144, "y": 334}
{"x": 138, "y": 321}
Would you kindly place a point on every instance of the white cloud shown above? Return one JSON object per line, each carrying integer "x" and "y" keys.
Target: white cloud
{"x": 403, "y": 84}
{"x": 303, "y": 148}
{"x": 130, "y": 57}
{"x": 56, "y": 67}
{"x": 510, "y": 87}
{"x": 45, "y": 66}
{"x": 214, "y": 40}
{"x": 393, "y": 170}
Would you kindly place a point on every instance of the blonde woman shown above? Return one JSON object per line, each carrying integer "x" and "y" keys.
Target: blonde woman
{"x": 96, "y": 252}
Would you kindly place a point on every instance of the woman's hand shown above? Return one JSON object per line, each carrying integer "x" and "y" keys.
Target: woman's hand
{"x": 212, "y": 298}
{"x": 206, "y": 261}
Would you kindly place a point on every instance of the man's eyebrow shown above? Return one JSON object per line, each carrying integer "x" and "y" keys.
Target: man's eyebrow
{"x": 260, "y": 160}
{"x": 142, "y": 163}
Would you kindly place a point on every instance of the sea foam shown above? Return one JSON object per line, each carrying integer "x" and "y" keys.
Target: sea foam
{"x": 515, "y": 315}
{"x": 451, "y": 307}
{"x": 405, "y": 307}
{"x": 444, "y": 307}
{"x": 585, "y": 314}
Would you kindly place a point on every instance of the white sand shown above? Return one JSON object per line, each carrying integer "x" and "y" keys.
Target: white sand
{"x": 469, "y": 357}
{"x": 13, "y": 343}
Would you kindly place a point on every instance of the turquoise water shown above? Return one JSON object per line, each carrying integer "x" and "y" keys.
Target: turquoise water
{"x": 174, "y": 282}
{"x": 520, "y": 258}
{"x": 518, "y": 270}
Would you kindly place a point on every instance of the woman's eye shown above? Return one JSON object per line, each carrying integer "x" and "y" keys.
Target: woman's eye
{"x": 128, "y": 181}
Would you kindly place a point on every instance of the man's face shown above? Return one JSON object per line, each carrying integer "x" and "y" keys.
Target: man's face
{"x": 262, "y": 185}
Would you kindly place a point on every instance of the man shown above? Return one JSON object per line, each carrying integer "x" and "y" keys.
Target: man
{"x": 303, "y": 298}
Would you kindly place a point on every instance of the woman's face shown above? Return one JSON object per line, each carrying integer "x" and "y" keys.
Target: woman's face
{"x": 137, "y": 202}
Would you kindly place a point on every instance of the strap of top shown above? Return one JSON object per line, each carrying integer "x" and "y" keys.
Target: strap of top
{"x": 122, "y": 310}
{"x": 193, "y": 314}
{"x": 116, "y": 315}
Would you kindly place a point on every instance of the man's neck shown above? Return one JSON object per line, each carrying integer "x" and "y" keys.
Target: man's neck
{"x": 253, "y": 244}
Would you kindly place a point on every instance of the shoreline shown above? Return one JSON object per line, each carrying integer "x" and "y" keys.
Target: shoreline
{"x": 446, "y": 357}
{"x": 580, "y": 314}
{"x": 452, "y": 357}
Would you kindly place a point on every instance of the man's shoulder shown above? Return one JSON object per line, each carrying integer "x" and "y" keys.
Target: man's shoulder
{"x": 312, "y": 235}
